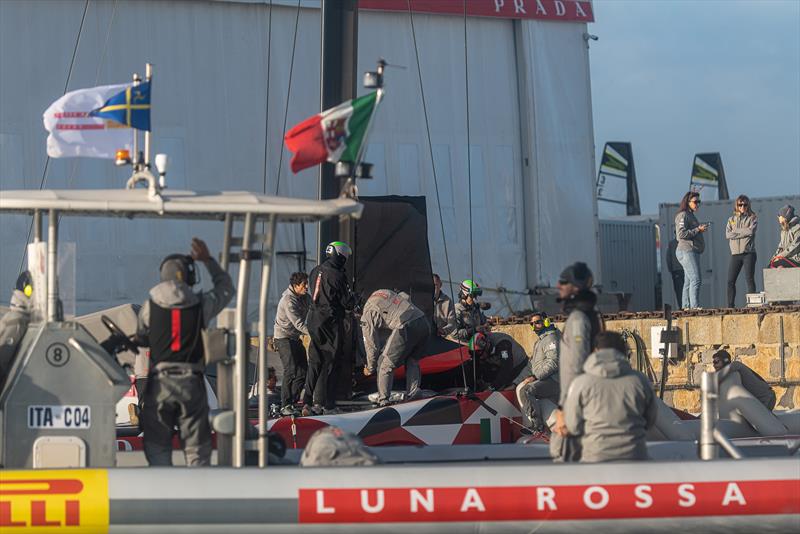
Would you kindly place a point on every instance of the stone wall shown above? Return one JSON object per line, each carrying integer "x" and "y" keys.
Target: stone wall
{"x": 752, "y": 338}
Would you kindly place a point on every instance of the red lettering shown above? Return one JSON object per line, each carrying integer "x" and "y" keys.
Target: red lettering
{"x": 5, "y": 516}
{"x": 39, "y": 515}
{"x": 72, "y": 513}
{"x": 67, "y": 486}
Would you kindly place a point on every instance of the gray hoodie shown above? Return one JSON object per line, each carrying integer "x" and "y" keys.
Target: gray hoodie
{"x": 290, "y": 318}
{"x": 174, "y": 294}
{"x": 610, "y": 406}
{"x": 751, "y": 381}
{"x": 543, "y": 364}
{"x": 687, "y": 232}
{"x": 789, "y": 247}
{"x": 741, "y": 233}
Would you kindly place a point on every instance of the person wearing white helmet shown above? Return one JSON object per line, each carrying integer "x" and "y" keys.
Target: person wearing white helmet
{"x": 330, "y": 299}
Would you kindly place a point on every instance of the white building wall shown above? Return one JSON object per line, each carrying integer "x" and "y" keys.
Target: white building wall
{"x": 209, "y": 114}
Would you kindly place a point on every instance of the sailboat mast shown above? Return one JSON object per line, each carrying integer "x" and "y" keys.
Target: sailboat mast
{"x": 339, "y": 58}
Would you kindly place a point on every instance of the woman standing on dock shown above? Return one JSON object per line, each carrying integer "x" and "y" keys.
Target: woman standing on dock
{"x": 741, "y": 234}
{"x": 689, "y": 234}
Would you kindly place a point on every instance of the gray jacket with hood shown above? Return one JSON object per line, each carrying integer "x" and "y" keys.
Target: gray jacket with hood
{"x": 687, "y": 232}
{"x": 290, "y": 318}
{"x": 174, "y": 294}
{"x": 789, "y": 246}
{"x": 610, "y": 407}
{"x": 543, "y": 364}
{"x": 468, "y": 319}
{"x": 741, "y": 233}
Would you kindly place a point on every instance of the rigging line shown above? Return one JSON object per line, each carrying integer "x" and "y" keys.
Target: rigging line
{"x": 266, "y": 109}
{"x": 288, "y": 94}
{"x": 47, "y": 159}
{"x": 469, "y": 155}
{"x": 430, "y": 147}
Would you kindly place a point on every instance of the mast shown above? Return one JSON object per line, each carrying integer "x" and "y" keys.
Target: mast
{"x": 339, "y": 56}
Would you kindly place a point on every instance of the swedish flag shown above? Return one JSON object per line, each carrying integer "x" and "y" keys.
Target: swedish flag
{"x": 130, "y": 107}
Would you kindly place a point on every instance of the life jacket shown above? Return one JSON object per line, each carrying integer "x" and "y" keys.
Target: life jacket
{"x": 175, "y": 334}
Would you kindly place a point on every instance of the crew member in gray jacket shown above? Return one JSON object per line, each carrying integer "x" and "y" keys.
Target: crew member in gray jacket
{"x": 444, "y": 315}
{"x": 290, "y": 324}
{"x": 610, "y": 406}
{"x": 539, "y": 379}
{"x": 691, "y": 244}
{"x": 581, "y": 327}
{"x": 741, "y": 234}
{"x": 395, "y": 332}
{"x": 751, "y": 381}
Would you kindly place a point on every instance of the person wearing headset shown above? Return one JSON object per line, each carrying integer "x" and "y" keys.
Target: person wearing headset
{"x": 470, "y": 319}
{"x": 14, "y": 324}
{"x": 169, "y": 323}
{"x": 539, "y": 379}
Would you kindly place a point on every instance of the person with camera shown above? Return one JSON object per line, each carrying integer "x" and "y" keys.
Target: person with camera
{"x": 395, "y": 332}
{"x": 741, "y": 234}
{"x": 689, "y": 233}
{"x": 170, "y": 323}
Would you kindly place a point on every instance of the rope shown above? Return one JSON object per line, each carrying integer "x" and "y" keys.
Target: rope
{"x": 469, "y": 156}
{"x": 266, "y": 104}
{"x": 47, "y": 159}
{"x": 433, "y": 166}
{"x": 288, "y": 94}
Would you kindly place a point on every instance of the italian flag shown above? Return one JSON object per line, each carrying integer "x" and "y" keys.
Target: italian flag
{"x": 334, "y": 135}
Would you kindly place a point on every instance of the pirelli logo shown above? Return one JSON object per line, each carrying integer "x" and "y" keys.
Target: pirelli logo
{"x": 54, "y": 501}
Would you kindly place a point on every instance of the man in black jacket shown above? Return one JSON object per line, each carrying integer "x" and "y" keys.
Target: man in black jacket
{"x": 330, "y": 298}
{"x": 169, "y": 323}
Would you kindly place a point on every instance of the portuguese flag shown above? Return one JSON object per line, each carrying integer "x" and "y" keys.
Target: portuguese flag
{"x": 334, "y": 135}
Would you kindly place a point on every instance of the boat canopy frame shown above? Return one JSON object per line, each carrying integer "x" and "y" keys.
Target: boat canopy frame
{"x": 166, "y": 204}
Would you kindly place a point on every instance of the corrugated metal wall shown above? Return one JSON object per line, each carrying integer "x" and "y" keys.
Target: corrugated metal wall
{"x": 628, "y": 257}
{"x": 714, "y": 261}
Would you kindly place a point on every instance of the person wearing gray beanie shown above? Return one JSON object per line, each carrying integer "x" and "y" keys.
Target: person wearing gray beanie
{"x": 788, "y": 252}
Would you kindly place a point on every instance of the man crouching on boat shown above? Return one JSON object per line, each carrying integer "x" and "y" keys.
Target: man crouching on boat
{"x": 395, "y": 332}
{"x": 610, "y": 406}
{"x": 170, "y": 322}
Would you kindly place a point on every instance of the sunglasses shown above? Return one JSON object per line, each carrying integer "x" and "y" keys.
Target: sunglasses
{"x": 695, "y": 200}
{"x": 741, "y": 204}
{"x": 540, "y": 321}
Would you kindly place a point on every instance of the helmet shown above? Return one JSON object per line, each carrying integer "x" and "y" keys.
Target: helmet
{"x": 467, "y": 288}
{"x": 338, "y": 249}
{"x": 25, "y": 283}
{"x": 178, "y": 267}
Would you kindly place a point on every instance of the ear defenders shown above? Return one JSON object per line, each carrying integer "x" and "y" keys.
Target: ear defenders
{"x": 189, "y": 269}
{"x": 545, "y": 320}
{"x": 25, "y": 283}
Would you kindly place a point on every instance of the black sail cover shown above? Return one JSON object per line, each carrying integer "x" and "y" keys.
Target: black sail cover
{"x": 391, "y": 249}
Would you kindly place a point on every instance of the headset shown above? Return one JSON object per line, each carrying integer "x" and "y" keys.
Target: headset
{"x": 545, "y": 319}
{"x": 189, "y": 267}
{"x": 25, "y": 283}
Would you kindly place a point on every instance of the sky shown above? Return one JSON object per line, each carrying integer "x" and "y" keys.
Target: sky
{"x": 678, "y": 77}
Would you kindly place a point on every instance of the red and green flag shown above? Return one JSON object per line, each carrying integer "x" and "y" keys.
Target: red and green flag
{"x": 334, "y": 135}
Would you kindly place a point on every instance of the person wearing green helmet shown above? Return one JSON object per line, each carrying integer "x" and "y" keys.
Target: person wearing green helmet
{"x": 469, "y": 315}
{"x": 330, "y": 299}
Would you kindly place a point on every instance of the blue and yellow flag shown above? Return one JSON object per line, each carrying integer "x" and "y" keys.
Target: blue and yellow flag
{"x": 130, "y": 107}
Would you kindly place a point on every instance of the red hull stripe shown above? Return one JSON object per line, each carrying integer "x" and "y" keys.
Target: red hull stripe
{"x": 176, "y": 330}
{"x": 548, "y": 503}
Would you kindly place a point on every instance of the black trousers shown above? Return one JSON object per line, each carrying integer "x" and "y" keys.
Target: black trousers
{"x": 748, "y": 260}
{"x": 295, "y": 365}
{"x": 677, "y": 286}
{"x": 324, "y": 358}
